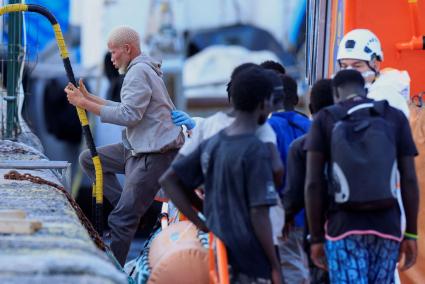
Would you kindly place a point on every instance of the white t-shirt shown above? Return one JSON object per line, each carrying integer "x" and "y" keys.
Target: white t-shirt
{"x": 393, "y": 86}
{"x": 213, "y": 124}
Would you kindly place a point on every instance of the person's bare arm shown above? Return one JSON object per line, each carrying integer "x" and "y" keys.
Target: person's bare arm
{"x": 293, "y": 195}
{"x": 277, "y": 165}
{"x": 410, "y": 197}
{"x": 182, "y": 197}
{"x": 260, "y": 221}
{"x": 315, "y": 190}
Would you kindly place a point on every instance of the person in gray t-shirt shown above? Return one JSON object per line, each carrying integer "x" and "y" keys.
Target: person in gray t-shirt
{"x": 234, "y": 166}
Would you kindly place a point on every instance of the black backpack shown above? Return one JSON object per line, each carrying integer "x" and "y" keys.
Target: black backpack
{"x": 363, "y": 165}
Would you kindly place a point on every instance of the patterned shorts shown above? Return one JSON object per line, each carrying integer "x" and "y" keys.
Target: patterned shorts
{"x": 362, "y": 259}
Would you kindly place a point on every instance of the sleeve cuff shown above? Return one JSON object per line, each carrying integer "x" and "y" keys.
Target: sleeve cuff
{"x": 264, "y": 203}
{"x": 106, "y": 113}
{"x": 111, "y": 103}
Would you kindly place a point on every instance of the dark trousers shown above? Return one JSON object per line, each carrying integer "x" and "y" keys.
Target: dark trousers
{"x": 131, "y": 202}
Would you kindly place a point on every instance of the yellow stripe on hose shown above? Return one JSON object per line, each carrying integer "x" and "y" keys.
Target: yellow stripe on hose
{"x": 99, "y": 179}
{"x": 82, "y": 115}
{"x": 13, "y": 8}
{"x": 60, "y": 41}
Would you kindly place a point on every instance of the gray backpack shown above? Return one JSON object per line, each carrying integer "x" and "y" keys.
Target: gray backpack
{"x": 363, "y": 168}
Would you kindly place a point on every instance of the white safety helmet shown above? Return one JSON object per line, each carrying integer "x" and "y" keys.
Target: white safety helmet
{"x": 360, "y": 44}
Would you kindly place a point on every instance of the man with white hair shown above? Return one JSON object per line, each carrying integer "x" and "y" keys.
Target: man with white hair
{"x": 150, "y": 140}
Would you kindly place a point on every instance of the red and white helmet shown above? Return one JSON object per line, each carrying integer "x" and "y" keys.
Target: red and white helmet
{"x": 360, "y": 44}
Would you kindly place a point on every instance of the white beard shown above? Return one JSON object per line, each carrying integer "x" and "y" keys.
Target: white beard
{"x": 122, "y": 70}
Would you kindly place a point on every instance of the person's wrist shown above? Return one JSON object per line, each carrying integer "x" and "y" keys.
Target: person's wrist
{"x": 410, "y": 236}
{"x": 275, "y": 265}
{"x": 316, "y": 239}
{"x": 83, "y": 102}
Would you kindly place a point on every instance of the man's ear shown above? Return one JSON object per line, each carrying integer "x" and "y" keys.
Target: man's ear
{"x": 335, "y": 93}
{"x": 127, "y": 48}
{"x": 262, "y": 116}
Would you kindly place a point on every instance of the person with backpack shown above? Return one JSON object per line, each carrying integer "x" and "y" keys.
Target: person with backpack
{"x": 293, "y": 193}
{"x": 352, "y": 211}
{"x": 234, "y": 166}
{"x": 361, "y": 50}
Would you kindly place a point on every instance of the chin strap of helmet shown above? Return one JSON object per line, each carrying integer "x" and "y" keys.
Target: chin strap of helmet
{"x": 374, "y": 57}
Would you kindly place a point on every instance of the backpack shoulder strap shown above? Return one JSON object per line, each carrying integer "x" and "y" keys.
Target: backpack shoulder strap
{"x": 336, "y": 112}
{"x": 375, "y": 108}
{"x": 301, "y": 113}
{"x": 292, "y": 121}
{"x": 380, "y": 106}
{"x": 296, "y": 125}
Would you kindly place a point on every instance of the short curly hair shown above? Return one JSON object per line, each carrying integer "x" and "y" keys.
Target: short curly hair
{"x": 321, "y": 95}
{"x": 235, "y": 71}
{"x": 273, "y": 65}
{"x": 348, "y": 77}
{"x": 250, "y": 87}
{"x": 290, "y": 89}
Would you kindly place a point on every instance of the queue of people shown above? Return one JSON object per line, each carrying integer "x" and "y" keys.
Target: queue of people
{"x": 294, "y": 200}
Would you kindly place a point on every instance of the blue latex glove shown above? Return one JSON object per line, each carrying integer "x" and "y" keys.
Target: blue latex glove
{"x": 181, "y": 118}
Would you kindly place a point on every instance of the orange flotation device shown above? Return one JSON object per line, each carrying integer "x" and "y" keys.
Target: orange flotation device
{"x": 177, "y": 255}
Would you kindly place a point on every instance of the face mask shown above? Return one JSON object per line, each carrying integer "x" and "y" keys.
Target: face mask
{"x": 368, "y": 76}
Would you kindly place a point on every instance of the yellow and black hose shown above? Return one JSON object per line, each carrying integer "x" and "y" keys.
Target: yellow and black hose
{"x": 98, "y": 186}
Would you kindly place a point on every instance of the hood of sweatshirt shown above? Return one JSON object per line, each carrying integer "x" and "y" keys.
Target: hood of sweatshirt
{"x": 154, "y": 64}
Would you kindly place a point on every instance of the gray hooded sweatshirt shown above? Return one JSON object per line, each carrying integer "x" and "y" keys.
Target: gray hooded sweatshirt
{"x": 144, "y": 110}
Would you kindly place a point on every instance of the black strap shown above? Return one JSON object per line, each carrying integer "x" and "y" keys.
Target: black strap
{"x": 295, "y": 125}
{"x": 380, "y": 106}
{"x": 378, "y": 109}
{"x": 336, "y": 111}
{"x": 301, "y": 113}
